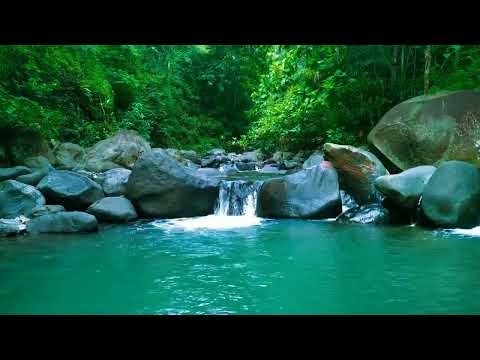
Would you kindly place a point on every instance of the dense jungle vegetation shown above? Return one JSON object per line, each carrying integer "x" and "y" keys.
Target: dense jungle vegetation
{"x": 286, "y": 97}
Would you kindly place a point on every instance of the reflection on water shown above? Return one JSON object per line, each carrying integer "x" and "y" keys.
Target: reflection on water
{"x": 207, "y": 266}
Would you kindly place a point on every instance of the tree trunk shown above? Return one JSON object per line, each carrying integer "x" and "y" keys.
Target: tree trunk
{"x": 428, "y": 61}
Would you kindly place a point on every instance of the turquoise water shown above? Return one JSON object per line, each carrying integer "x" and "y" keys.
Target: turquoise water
{"x": 275, "y": 267}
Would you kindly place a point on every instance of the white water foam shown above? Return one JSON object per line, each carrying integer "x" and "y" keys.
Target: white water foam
{"x": 470, "y": 232}
{"x": 214, "y": 222}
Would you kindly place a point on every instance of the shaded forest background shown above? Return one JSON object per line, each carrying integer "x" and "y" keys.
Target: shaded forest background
{"x": 279, "y": 97}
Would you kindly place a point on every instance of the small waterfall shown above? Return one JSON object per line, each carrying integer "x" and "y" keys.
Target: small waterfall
{"x": 237, "y": 198}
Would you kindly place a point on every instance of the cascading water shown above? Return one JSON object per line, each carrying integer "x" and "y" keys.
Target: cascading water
{"x": 237, "y": 198}
{"x": 235, "y": 208}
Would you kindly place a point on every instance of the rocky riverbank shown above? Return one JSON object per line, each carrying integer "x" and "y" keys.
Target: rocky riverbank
{"x": 70, "y": 189}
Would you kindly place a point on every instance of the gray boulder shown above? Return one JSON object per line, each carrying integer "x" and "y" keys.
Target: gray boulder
{"x": 114, "y": 182}
{"x": 313, "y": 160}
{"x": 310, "y": 194}
{"x": 160, "y": 186}
{"x": 63, "y": 222}
{"x": 251, "y": 157}
{"x": 69, "y": 156}
{"x": 70, "y": 189}
{"x": 367, "y": 214}
{"x": 119, "y": 151}
{"x": 18, "y": 199}
{"x": 208, "y": 172}
{"x": 113, "y": 209}
{"x": 12, "y": 173}
{"x": 46, "y": 209}
{"x": 405, "y": 188}
{"x": 451, "y": 198}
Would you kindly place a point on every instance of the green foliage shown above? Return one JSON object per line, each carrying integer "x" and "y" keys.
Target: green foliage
{"x": 279, "y": 97}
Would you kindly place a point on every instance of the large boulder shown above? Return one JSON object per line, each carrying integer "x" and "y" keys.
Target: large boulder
{"x": 251, "y": 157}
{"x": 405, "y": 188}
{"x": 190, "y": 155}
{"x": 214, "y": 160}
{"x": 114, "y": 182}
{"x": 160, "y": 186}
{"x": 357, "y": 171}
{"x": 427, "y": 130}
{"x": 63, "y": 222}
{"x": 313, "y": 160}
{"x": 113, "y": 209}
{"x": 12, "y": 173}
{"x": 18, "y": 199}
{"x": 279, "y": 156}
{"x": 69, "y": 156}
{"x": 70, "y": 189}
{"x": 121, "y": 150}
{"x": 309, "y": 194}
{"x": 451, "y": 198}
{"x": 208, "y": 172}
{"x": 46, "y": 209}
{"x": 366, "y": 214}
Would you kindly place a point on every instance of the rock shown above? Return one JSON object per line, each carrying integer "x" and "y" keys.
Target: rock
{"x": 113, "y": 209}
{"x": 190, "y": 155}
{"x": 114, "y": 182}
{"x": 91, "y": 175}
{"x": 46, "y": 209}
{"x": 405, "y": 188}
{"x": 310, "y": 194}
{"x": 228, "y": 169}
{"x": 357, "y": 171}
{"x": 216, "y": 152}
{"x": 63, "y": 222}
{"x": 281, "y": 155}
{"x": 250, "y": 156}
{"x": 160, "y": 186}
{"x": 270, "y": 169}
{"x": 427, "y": 130}
{"x": 38, "y": 162}
{"x": 214, "y": 161}
{"x": 11, "y": 227}
{"x": 367, "y": 214}
{"x": 12, "y": 173}
{"x": 241, "y": 166}
{"x": 290, "y": 164}
{"x": 208, "y": 172}
{"x": 70, "y": 189}
{"x": 33, "y": 178}
{"x": 313, "y": 160}
{"x": 69, "y": 156}
{"x": 121, "y": 150}
{"x": 348, "y": 201}
{"x": 451, "y": 198}
{"x": 18, "y": 199}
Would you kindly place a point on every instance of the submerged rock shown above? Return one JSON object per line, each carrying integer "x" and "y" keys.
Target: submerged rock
{"x": 357, "y": 171}
{"x": 310, "y": 194}
{"x": 70, "y": 189}
{"x": 113, "y": 209}
{"x": 451, "y": 198}
{"x": 405, "y": 189}
{"x": 18, "y": 199}
{"x": 160, "y": 186}
{"x": 63, "y": 222}
{"x": 367, "y": 214}
{"x": 119, "y": 151}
